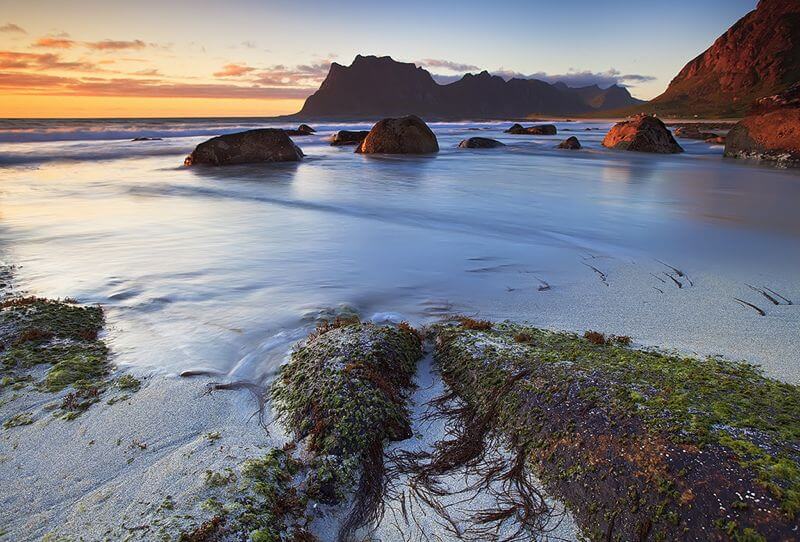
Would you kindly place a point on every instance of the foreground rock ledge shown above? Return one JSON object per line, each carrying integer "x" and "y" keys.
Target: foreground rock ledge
{"x": 638, "y": 445}
{"x": 342, "y": 396}
{"x": 642, "y": 133}
{"x": 252, "y": 146}
{"x": 771, "y": 133}
{"x": 406, "y": 135}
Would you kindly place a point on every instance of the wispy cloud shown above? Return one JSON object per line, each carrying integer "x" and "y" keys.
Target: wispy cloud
{"x": 581, "y": 78}
{"x": 116, "y": 45}
{"x": 49, "y": 42}
{"x": 234, "y": 70}
{"x": 42, "y": 84}
{"x": 11, "y": 28}
{"x": 12, "y": 60}
{"x": 447, "y": 65}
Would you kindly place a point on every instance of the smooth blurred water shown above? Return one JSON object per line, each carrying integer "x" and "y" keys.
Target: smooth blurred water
{"x": 226, "y": 267}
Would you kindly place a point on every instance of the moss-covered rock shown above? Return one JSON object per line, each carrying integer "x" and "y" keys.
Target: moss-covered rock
{"x": 640, "y": 445}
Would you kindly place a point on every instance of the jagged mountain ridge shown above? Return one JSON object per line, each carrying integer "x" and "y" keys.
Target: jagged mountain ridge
{"x": 374, "y": 87}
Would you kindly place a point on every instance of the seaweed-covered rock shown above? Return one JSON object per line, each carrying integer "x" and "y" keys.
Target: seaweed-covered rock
{"x": 540, "y": 129}
{"x": 571, "y": 143}
{"x": 640, "y": 445}
{"x": 480, "y": 143}
{"x": 343, "y": 396}
{"x": 61, "y": 335}
{"x": 264, "y": 145}
{"x": 642, "y": 133}
{"x": 348, "y": 137}
{"x": 406, "y": 135}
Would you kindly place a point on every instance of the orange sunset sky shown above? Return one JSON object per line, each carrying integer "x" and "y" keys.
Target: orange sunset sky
{"x": 111, "y": 58}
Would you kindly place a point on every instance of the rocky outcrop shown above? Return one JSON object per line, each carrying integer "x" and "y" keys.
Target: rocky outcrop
{"x": 375, "y": 87}
{"x": 406, "y": 135}
{"x": 480, "y": 143}
{"x": 642, "y": 133}
{"x": 264, "y": 145}
{"x": 302, "y": 130}
{"x": 541, "y": 129}
{"x": 692, "y": 132}
{"x": 772, "y": 133}
{"x": 347, "y": 137}
{"x": 570, "y": 143}
{"x": 758, "y": 56}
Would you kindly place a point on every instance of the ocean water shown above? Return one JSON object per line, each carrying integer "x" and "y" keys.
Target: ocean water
{"x": 225, "y": 268}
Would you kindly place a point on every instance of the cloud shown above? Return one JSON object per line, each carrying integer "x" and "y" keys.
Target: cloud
{"x": 46, "y": 61}
{"x": 305, "y": 75}
{"x": 41, "y": 84}
{"x": 582, "y": 78}
{"x": 54, "y": 43}
{"x": 11, "y": 28}
{"x": 115, "y": 45}
{"x": 447, "y": 65}
{"x": 233, "y": 70}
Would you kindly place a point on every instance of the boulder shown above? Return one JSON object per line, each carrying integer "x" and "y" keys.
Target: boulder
{"x": 405, "y": 135}
{"x": 541, "y": 129}
{"x": 146, "y": 139}
{"x": 771, "y": 132}
{"x": 570, "y": 143}
{"x": 480, "y": 143}
{"x": 264, "y": 145}
{"x": 302, "y": 130}
{"x": 347, "y": 137}
{"x": 642, "y": 133}
{"x": 693, "y": 132}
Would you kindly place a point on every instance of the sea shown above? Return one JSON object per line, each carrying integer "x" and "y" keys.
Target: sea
{"x": 226, "y": 268}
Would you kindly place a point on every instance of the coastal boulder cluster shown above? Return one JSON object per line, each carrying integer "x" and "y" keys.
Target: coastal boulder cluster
{"x": 771, "y": 132}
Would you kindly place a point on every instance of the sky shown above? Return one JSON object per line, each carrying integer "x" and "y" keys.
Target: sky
{"x": 147, "y": 58}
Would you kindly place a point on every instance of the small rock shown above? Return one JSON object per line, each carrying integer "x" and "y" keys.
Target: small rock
{"x": 570, "y": 143}
{"x": 347, "y": 137}
{"x": 480, "y": 143}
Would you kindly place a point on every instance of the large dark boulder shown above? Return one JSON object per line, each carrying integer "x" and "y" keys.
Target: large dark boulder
{"x": 541, "y": 129}
{"x": 264, "y": 145}
{"x": 771, "y": 132}
{"x": 406, "y": 135}
{"x": 347, "y": 137}
{"x": 642, "y": 133}
{"x": 570, "y": 143}
{"x": 480, "y": 143}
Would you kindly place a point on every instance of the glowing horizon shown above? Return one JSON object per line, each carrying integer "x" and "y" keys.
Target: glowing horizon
{"x": 248, "y": 58}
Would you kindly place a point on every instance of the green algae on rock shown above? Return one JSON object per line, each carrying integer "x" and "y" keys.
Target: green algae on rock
{"x": 343, "y": 395}
{"x": 62, "y": 336}
{"x": 640, "y": 445}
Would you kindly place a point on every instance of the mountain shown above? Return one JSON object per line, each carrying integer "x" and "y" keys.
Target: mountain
{"x": 758, "y": 56}
{"x": 373, "y": 87}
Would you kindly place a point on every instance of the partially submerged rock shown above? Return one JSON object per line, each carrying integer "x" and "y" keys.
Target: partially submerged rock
{"x": 571, "y": 143}
{"x": 642, "y": 133}
{"x": 60, "y": 337}
{"x": 406, "y": 135}
{"x": 480, "y": 143}
{"x": 348, "y": 137}
{"x": 771, "y": 133}
{"x": 640, "y": 445}
{"x": 540, "y": 129}
{"x": 252, "y": 146}
{"x": 693, "y": 132}
{"x": 302, "y": 130}
{"x": 343, "y": 397}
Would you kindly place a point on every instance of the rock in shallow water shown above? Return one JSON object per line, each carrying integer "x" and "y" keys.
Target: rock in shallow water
{"x": 541, "y": 129}
{"x": 642, "y": 133}
{"x": 570, "y": 143}
{"x": 480, "y": 143}
{"x": 406, "y": 135}
{"x": 347, "y": 137}
{"x": 771, "y": 133}
{"x": 252, "y": 146}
